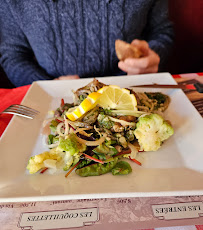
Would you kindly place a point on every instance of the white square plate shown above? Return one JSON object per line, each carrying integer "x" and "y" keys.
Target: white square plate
{"x": 175, "y": 169}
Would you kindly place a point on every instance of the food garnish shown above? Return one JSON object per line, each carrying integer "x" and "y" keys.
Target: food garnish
{"x": 114, "y": 97}
{"x": 87, "y": 104}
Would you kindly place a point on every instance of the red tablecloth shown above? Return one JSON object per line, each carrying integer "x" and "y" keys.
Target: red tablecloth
{"x": 9, "y": 97}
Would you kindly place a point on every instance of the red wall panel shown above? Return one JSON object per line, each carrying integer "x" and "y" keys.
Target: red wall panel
{"x": 187, "y": 16}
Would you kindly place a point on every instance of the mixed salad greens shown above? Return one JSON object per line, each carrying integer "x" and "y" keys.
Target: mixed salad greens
{"x": 102, "y": 139}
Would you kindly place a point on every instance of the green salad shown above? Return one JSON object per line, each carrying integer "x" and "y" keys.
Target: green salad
{"x": 105, "y": 138}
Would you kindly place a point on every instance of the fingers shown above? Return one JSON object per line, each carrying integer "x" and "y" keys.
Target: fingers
{"x": 144, "y": 62}
{"x": 132, "y": 71}
{"x": 68, "y": 77}
{"x": 153, "y": 69}
{"x": 147, "y": 64}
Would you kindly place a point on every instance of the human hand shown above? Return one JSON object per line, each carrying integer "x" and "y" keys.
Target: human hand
{"x": 149, "y": 63}
{"x": 67, "y": 77}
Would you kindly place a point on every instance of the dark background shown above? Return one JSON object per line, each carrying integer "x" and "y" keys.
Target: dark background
{"x": 187, "y": 54}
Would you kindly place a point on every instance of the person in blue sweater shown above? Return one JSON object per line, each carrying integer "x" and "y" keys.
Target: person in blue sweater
{"x": 68, "y": 39}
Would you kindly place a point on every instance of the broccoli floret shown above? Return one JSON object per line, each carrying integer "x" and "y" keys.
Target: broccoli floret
{"x": 151, "y": 130}
{"x": 55, "y": 159}
{"x": 71, "y": 145}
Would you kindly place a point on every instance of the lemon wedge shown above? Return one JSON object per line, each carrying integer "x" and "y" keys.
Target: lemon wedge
{"x": 87, "y": 104}
{"x": 114, "y": 97}
{"x": 109, "y": 97}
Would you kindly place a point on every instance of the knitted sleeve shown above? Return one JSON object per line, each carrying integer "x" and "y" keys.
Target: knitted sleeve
{"x": 16, "y": 55}
{"x": 159, "y": 31}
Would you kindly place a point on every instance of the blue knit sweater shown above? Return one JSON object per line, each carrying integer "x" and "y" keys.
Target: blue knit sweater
{"x": 44, "y": 39}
